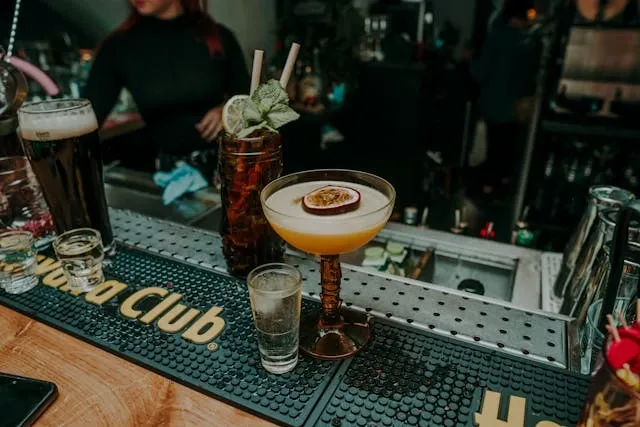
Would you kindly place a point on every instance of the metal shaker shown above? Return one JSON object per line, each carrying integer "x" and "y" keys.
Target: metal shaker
{"x": 598, "y": 284}
{"x": 621, "y": 252}
{"x": 600, "y": 197}
{"x": 592, "y": 263}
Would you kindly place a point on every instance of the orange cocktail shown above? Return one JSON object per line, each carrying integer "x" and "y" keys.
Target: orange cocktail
{"x": 328, "y": 213}
{"x": 327, "y": 244}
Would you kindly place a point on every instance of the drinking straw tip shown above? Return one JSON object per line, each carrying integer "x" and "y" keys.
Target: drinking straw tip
{"x": 288, "y": 68}
{"x": 257, "y": 70}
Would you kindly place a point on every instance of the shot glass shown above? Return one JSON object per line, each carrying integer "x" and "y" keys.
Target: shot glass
{"x": 591, "y": 338}
{"x": 610, "y": 401}
{"x": 275, "y": 294}
{"x": 17, "y": 261}
{"x": 81, "y": 254}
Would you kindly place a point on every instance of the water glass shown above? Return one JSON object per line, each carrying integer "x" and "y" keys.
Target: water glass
{"x": 81, "y": 254}
{"x": 591, "y": 338}
{"x": 275, "y": 294}
{"x": 17, "y": 262}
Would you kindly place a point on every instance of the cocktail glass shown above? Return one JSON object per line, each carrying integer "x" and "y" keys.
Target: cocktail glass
{"x": 334, "y": 334}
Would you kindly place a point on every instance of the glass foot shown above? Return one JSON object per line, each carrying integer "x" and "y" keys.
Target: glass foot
{"x": 336, "y": 341}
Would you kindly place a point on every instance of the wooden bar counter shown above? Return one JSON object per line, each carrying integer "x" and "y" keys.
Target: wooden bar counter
{"x": 97, "y": 388}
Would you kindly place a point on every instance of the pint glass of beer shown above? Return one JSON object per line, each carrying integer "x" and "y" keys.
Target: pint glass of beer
{"x": 60, "y": 138}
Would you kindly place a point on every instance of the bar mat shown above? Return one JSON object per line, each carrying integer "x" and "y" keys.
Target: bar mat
{"x": 228, "y": 367}
{"x": 419, "y": 379}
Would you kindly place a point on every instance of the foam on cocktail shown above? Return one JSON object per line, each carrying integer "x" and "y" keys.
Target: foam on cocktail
{"x": 330, "y": 234}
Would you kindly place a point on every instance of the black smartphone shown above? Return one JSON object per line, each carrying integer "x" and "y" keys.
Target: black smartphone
{"x": 23, "y": 400}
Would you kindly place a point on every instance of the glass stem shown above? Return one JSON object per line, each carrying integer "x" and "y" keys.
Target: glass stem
{"x": 330, "y": 274}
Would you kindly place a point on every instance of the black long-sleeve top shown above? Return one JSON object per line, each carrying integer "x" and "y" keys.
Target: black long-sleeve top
{"x": 171, "y": 76}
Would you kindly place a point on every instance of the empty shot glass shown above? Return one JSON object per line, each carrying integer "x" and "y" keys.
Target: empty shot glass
{"x": 17, "y": 261}
{"x": 81, "y": 254}
{"x": 275, "y": 294}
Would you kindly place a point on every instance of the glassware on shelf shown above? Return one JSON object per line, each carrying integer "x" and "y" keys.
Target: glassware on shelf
{"x": 22, "y": 205}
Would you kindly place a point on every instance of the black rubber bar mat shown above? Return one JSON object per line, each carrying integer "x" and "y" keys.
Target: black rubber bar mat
{"x": 402, "y": 377}
{"x": 407, "y": 378}
{"x": 227, "y": 367}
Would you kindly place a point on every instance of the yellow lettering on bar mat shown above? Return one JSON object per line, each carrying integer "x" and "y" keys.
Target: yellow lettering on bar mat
{"x": 488, "y": 417}
{"x": 127, "y": 306}
{"x": 168, "y": 322}
{"x": 46, "y": 265}
{"x": 214, "y": 325}
{"x": 55, "y": 278}
{"x": 105, "y": 291}
{"x": 160, "y": 308}
{"x": 490, "y": 408}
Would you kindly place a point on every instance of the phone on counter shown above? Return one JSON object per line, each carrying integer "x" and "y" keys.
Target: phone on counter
{"x": 23, "y": 400}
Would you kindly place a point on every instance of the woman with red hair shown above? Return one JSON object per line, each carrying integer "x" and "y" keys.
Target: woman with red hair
{"x": 179, "y": 65}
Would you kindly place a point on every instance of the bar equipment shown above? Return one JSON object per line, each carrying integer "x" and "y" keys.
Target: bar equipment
{"x": 275, "y": 291}
{"x": 620, "y": 251}
{"x": 61, "y": 140}
{"x": 600, "y": 197}
{"x": 81, "y": 254}
{"x": 328, "y": 213}
{"x": 589, "y": 280}
{"x": 23, "y": 206}
{"x": 17, "y": 262}
{"x": 592, "y": 338}
{"x": 13, "y": 92}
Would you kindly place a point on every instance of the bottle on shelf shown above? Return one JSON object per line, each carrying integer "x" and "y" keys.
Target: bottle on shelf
{"x": 310, "y": 86}
{"x": 522, "y": 234}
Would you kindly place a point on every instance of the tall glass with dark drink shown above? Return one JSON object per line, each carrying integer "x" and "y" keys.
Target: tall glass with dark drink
{"x": 60, "y": 138}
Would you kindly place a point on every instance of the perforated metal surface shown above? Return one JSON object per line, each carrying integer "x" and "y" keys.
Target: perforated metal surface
{"x": 404, "y": 378}
{"x": 230, "y": 370}
{"x": 534, "y": 335}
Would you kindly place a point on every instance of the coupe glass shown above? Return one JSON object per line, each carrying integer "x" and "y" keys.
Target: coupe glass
{"x": 334, "y": 334}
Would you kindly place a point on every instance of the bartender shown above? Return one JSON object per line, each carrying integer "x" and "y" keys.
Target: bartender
{"x": 180, "y": 66}
{"x": 506, "y": 73}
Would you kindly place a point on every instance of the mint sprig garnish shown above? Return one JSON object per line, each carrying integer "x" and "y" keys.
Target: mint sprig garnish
{"x": 267, "y": 108}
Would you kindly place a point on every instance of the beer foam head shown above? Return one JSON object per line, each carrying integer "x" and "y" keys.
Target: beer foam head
{"x": 56, "y": 119}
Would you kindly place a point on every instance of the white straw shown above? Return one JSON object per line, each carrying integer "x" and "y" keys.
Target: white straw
{"x": 288, "y": 68}
{"x": 257, "y": 70}
{"x": 425, "y": 215}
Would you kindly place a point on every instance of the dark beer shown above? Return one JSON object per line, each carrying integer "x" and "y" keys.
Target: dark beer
{"x": 61, "y": 140}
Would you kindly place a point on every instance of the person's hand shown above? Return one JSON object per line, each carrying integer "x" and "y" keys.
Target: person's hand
{"x": 211, "y": 124}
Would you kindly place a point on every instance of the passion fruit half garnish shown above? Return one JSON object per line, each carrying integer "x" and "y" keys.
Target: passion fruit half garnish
{"x": 331, "y": 200}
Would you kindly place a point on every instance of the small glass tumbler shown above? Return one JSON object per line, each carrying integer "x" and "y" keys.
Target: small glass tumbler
{"x": 17, "y": 262}
{"x": 276, "y": 297}
{"x": 81, "y": 254}
{"x": 591, "y": 338}
{"x": 610, "y": 401}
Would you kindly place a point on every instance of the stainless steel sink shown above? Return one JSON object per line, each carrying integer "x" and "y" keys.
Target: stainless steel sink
{"x": 505, "y": 272}
{"x": 136, "y": 191}
{"x": 494, "y": 279}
